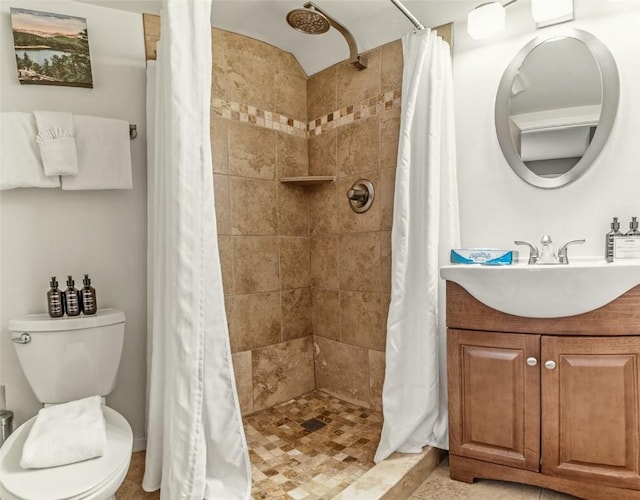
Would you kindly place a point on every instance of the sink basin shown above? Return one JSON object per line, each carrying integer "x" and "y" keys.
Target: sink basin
{"x": 546, "y": 291}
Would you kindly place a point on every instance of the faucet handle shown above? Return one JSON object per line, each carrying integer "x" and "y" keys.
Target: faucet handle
{"x": 533, "y": 251}
{"x": 563, "y": 258}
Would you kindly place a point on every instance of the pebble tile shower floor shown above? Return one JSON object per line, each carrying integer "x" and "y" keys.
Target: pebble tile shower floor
{"x": 291, "y": 460}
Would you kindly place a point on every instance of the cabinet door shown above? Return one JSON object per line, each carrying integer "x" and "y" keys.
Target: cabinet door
{"x": 590, "y": 413}
{"x": 494, "y": 397}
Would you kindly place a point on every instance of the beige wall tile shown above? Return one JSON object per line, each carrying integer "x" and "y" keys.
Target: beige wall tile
{"x": 219, "y": 151}
{"x": 291, "y": 95}
{"x": 353, "y": 85}
{"x": 293, "y": 210}
{"x": 255, "y": 264}
{"x": 342, "y": 370}
{"x": 296, "y": 313}
{"x": 324, "y": 262}
{"x": 363, "y": 319}
{"x": 150, "y": 43}
{"x": 326, "y": 313}
{"x": 376, "y": 377}
{"x": 252, "y": 151}
{"x": 386, "y": 193}
{"x": 392, "y": 66}
{"x": 245, "y": 45}
{"x": 222, "y": 203}
{"x": 385, "y": 261}
{"x": 287, "y": 63}
{"x": 350, "y": 221}
{"x": 282, "y": 371}
{"x": 323, "y": 153}
{"x": 321, "y": 93}
{"x": 323, "y": 209}
{"x": 151, "y": 25}
{"x": 253, "y": 206}
{"x": 244, "y": 382}
{"x": 358, "y": 147}
{"x": 292, "y": 157}
{"x": 360, "y": 262}
{"x": 389, "y": 136}
{"x": 219, "y": 65}
{"x": 225, "y": 248}
{"x": 295, "y": 262}
{"x": 228, "y": 309}
{"x": 256, "y": 321}
{"x": 249, "y": 78}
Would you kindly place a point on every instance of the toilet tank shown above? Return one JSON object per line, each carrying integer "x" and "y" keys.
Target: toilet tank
{"x": 70, "y": 358}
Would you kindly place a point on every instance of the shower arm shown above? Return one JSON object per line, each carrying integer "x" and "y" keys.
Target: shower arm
{"x": 408, "y": 14}
{"x": 355, "y": 59}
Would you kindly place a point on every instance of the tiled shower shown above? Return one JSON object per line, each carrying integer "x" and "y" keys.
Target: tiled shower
{"x": 306, "y": 279}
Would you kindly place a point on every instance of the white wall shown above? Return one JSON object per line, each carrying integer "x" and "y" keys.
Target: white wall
{"x": 47, "y": 232}
{"x": 496, "y": 205}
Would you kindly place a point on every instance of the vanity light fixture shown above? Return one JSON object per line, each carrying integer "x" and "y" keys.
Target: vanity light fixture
{"x": 486, "y": 20}
{"x": 489, "y": 18}
{"x": 548, "y": 12}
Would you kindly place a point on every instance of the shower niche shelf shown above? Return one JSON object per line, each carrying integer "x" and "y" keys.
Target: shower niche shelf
{"x": 308, "y": 180}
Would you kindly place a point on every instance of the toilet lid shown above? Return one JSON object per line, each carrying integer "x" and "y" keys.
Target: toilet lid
{"x": 67, "y": 481}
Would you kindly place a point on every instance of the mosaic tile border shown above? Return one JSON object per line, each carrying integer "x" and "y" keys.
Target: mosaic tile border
{"x": 246, "y": 113}
{"x": 366, "y": 108}
{"x": 354, "y": 112}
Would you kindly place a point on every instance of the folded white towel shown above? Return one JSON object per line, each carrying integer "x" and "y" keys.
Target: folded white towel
{"x": 57, "y": 145}
{"x": 20, "y": 163}
{"x": 65, "y": 433}
{"x": 104, "y": 154}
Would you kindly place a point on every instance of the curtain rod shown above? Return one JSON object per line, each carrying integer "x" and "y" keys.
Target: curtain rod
{"x": 408, "y": 14}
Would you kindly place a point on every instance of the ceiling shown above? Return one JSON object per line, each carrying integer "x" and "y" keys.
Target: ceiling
{"x": 372, "y": 23}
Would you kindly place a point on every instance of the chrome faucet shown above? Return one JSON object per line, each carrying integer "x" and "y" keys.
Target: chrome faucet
{"x": 547, "y": 254}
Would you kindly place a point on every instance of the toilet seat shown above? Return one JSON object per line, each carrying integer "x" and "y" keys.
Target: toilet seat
{"x": 98, "y": 478}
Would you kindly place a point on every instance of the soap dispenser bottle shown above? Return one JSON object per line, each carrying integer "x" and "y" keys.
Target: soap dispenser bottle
{"x": 71, "y": 298}
{"x": 55, "y": 302}
{"x": 88, "y": 295}
{"x": 611, "y": 235}
{"x": 633, "y": 227}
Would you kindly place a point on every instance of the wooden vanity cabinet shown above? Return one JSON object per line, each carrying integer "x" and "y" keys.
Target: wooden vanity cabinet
{"x": 548, "y": 402}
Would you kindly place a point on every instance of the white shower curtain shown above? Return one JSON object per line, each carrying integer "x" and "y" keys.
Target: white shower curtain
{"x": 425, "y": 228}
{"x": 196, "y": 447}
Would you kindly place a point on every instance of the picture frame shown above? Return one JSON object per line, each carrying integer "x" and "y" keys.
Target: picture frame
{"x": 51, "y": 49}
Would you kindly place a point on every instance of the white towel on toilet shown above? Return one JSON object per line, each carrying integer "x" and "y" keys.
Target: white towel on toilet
{"x": 66, "y": 433}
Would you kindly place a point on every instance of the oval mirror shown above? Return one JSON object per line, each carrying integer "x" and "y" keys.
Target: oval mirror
{"x": 555, "y": 107}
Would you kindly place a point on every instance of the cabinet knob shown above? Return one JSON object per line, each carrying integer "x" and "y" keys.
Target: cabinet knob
{"x": 549, "y": 365}
{"x": 531, "y": 361}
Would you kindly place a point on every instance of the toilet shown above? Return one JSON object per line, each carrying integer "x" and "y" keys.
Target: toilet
{"x": 65, "y": 359}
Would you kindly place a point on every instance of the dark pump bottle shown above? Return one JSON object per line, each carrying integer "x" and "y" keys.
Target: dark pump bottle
{"x": 55, "y": 302}
{"x": 88, "y": 296}
{"x": 609, "y": 239}
{"x": 71, "y": 298}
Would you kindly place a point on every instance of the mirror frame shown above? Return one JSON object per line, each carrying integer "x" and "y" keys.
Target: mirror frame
{"x": 610, "y": 98}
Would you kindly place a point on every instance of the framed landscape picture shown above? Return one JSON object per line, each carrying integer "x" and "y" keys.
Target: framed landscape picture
{"x": 51, "y": 49}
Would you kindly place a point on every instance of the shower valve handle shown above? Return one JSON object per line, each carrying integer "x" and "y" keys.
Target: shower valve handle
{"x": 359, "y": 195}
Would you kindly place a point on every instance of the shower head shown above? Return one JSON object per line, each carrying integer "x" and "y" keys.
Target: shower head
{"x": 312, "y": 20}
{"x": 308, "y": 21}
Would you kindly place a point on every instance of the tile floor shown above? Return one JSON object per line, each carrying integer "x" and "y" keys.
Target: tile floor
{"x": 294, "y": 456}
{"x": 439, "y": 486}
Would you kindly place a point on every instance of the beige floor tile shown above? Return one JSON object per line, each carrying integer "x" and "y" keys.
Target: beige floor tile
{"x": 439, "y": 486}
